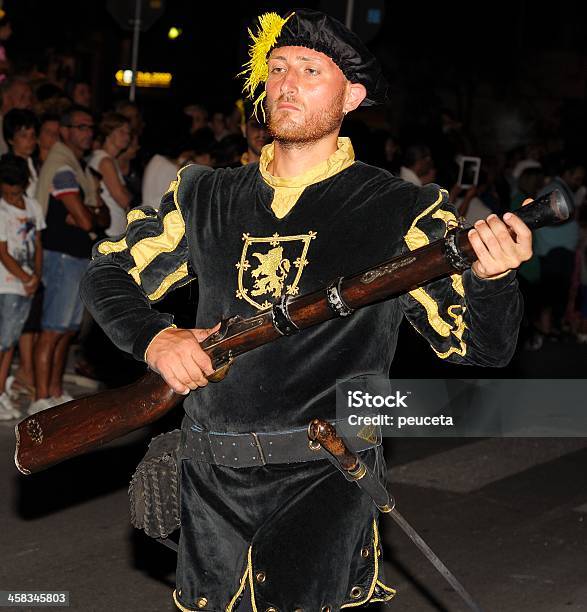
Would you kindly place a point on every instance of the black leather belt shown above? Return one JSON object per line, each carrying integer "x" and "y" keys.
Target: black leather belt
{"x": 241, "y": 450}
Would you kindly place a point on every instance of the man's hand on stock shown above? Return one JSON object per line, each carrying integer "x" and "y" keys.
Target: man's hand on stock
{"x": 497, "y": 252}
{"x": 177, "y": 356}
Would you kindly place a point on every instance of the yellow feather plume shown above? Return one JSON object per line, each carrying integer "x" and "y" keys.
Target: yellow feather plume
{"x": 256, "y": 71}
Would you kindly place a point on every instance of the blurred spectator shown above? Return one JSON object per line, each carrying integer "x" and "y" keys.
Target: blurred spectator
{"x": 256, "y": 136}
{"x": 74, "y": 212}
{"x": 556, "y": 248}
{"x": 417, "y": 164}
{"x": 234, "y": 119}
{"x": 130, "y": 171}
{"x": 20, "y": 132}
{"x": 5, "y": 34}
{"x": 114, "y": 135}
{"x": 218, "y": 125}
{"x": 16, "y": 93}
{"x": 198, "y": 115}
{"x": 20, "y": 129}
{"x": 532, "y": 159}
{"x": 203, "y": 148}
{"x": 80, "y": 92}
{"x": 227, "y": 153}
{"x": 470, "y": 206}
{"x": 21, "y": 260}
{"x": 494, "y": 190}
{"x": 529, "y": 184}
{"x": 132, "y": 112}
{"x": 162, "y": 169}
{"x": 48, "y": 134}
{"x": 392, "y": 152}
{"x": 48, "y": 91}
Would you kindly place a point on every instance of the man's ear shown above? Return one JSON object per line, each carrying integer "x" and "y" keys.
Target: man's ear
{"x": 356, "y": 93}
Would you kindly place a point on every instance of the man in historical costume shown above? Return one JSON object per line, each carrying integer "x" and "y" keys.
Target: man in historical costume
{"x": 267, "y": 523}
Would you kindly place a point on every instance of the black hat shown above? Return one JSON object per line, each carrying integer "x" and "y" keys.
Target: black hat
{"x": 320, "y": 32}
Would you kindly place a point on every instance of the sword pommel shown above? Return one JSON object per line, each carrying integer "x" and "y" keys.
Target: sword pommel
{"x": 324, "y": 433}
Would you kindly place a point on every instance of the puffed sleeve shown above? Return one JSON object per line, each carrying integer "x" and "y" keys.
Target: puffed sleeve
{"x": 465, "y": 319}
{"x": 133, "y": 271}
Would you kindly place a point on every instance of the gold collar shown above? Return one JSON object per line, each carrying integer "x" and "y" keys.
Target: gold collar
{"x": 288, "y": 190}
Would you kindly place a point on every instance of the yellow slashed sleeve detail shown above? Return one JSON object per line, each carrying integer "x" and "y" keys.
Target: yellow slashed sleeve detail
{"x": 416, "y": 238}
{"x": 145, "y": 250}
{"x": 107, "y": 247}
{"x": 170, "y": 280}
{"x": 171, "y": 187}
{"x": 135, "y": 215}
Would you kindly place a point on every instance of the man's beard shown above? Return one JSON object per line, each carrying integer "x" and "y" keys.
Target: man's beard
{"x": 288, "y": 132}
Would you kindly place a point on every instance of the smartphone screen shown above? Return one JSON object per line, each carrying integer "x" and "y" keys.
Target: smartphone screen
{"x": 469, "y": 171}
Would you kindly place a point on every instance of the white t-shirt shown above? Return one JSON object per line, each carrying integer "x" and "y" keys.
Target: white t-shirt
{"x": 117, "y": 213}
{"x": 158, "y": 176}
{"x": 18, "y": 228}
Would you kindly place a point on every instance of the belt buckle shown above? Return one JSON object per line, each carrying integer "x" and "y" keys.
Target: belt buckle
{"x": 259, "y": 448}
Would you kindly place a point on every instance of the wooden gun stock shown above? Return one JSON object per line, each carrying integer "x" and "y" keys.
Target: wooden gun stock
{"x": 79, "y": 426}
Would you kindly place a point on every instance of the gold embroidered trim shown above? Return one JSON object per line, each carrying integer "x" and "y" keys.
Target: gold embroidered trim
{"x": 173, "y": 278}
{"x": 287, "y": 190}
{"x": 176, "y": 189}
{"x": 451, "y": 222}
{"x": 180, "y": 606}
{"x": 147, "y": 249}
{"x": 457, "y": 284}
{"x": 135, "y": 215}
{"x": 389, "y": 593}
{"x": 108, "y": 247}
{"x": 243, "y": 293}
{"x": 440, "y": 326}
{"x": 243, "y": 584}
{"x": 375, "y": 573}
{"x": 416, "y": 238}
{"x": 251, "y": 581}
{"x": 491, "y": 277}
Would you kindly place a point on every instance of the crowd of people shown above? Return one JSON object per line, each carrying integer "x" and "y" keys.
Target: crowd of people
{"x": 69, "y": 175}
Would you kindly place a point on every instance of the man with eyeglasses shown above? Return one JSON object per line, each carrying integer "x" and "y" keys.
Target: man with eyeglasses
{"x": 74, "y": 212}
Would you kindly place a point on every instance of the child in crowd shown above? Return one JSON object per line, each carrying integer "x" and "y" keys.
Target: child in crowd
{"x": 21, "y": 260}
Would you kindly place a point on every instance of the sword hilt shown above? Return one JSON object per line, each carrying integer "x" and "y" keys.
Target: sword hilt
{"x": 323, "y": 433}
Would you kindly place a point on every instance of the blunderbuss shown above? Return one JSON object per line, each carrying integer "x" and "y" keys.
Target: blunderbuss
{"x": 82, "y": 425}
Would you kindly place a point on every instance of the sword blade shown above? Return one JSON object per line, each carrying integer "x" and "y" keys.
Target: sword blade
{"x": 433, "y": 558}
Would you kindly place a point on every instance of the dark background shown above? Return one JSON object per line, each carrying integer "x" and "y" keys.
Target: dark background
{"x": 511, "y": 72}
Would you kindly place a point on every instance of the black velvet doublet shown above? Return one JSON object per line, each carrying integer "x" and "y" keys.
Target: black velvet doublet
{"x": 289, "y": 536}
